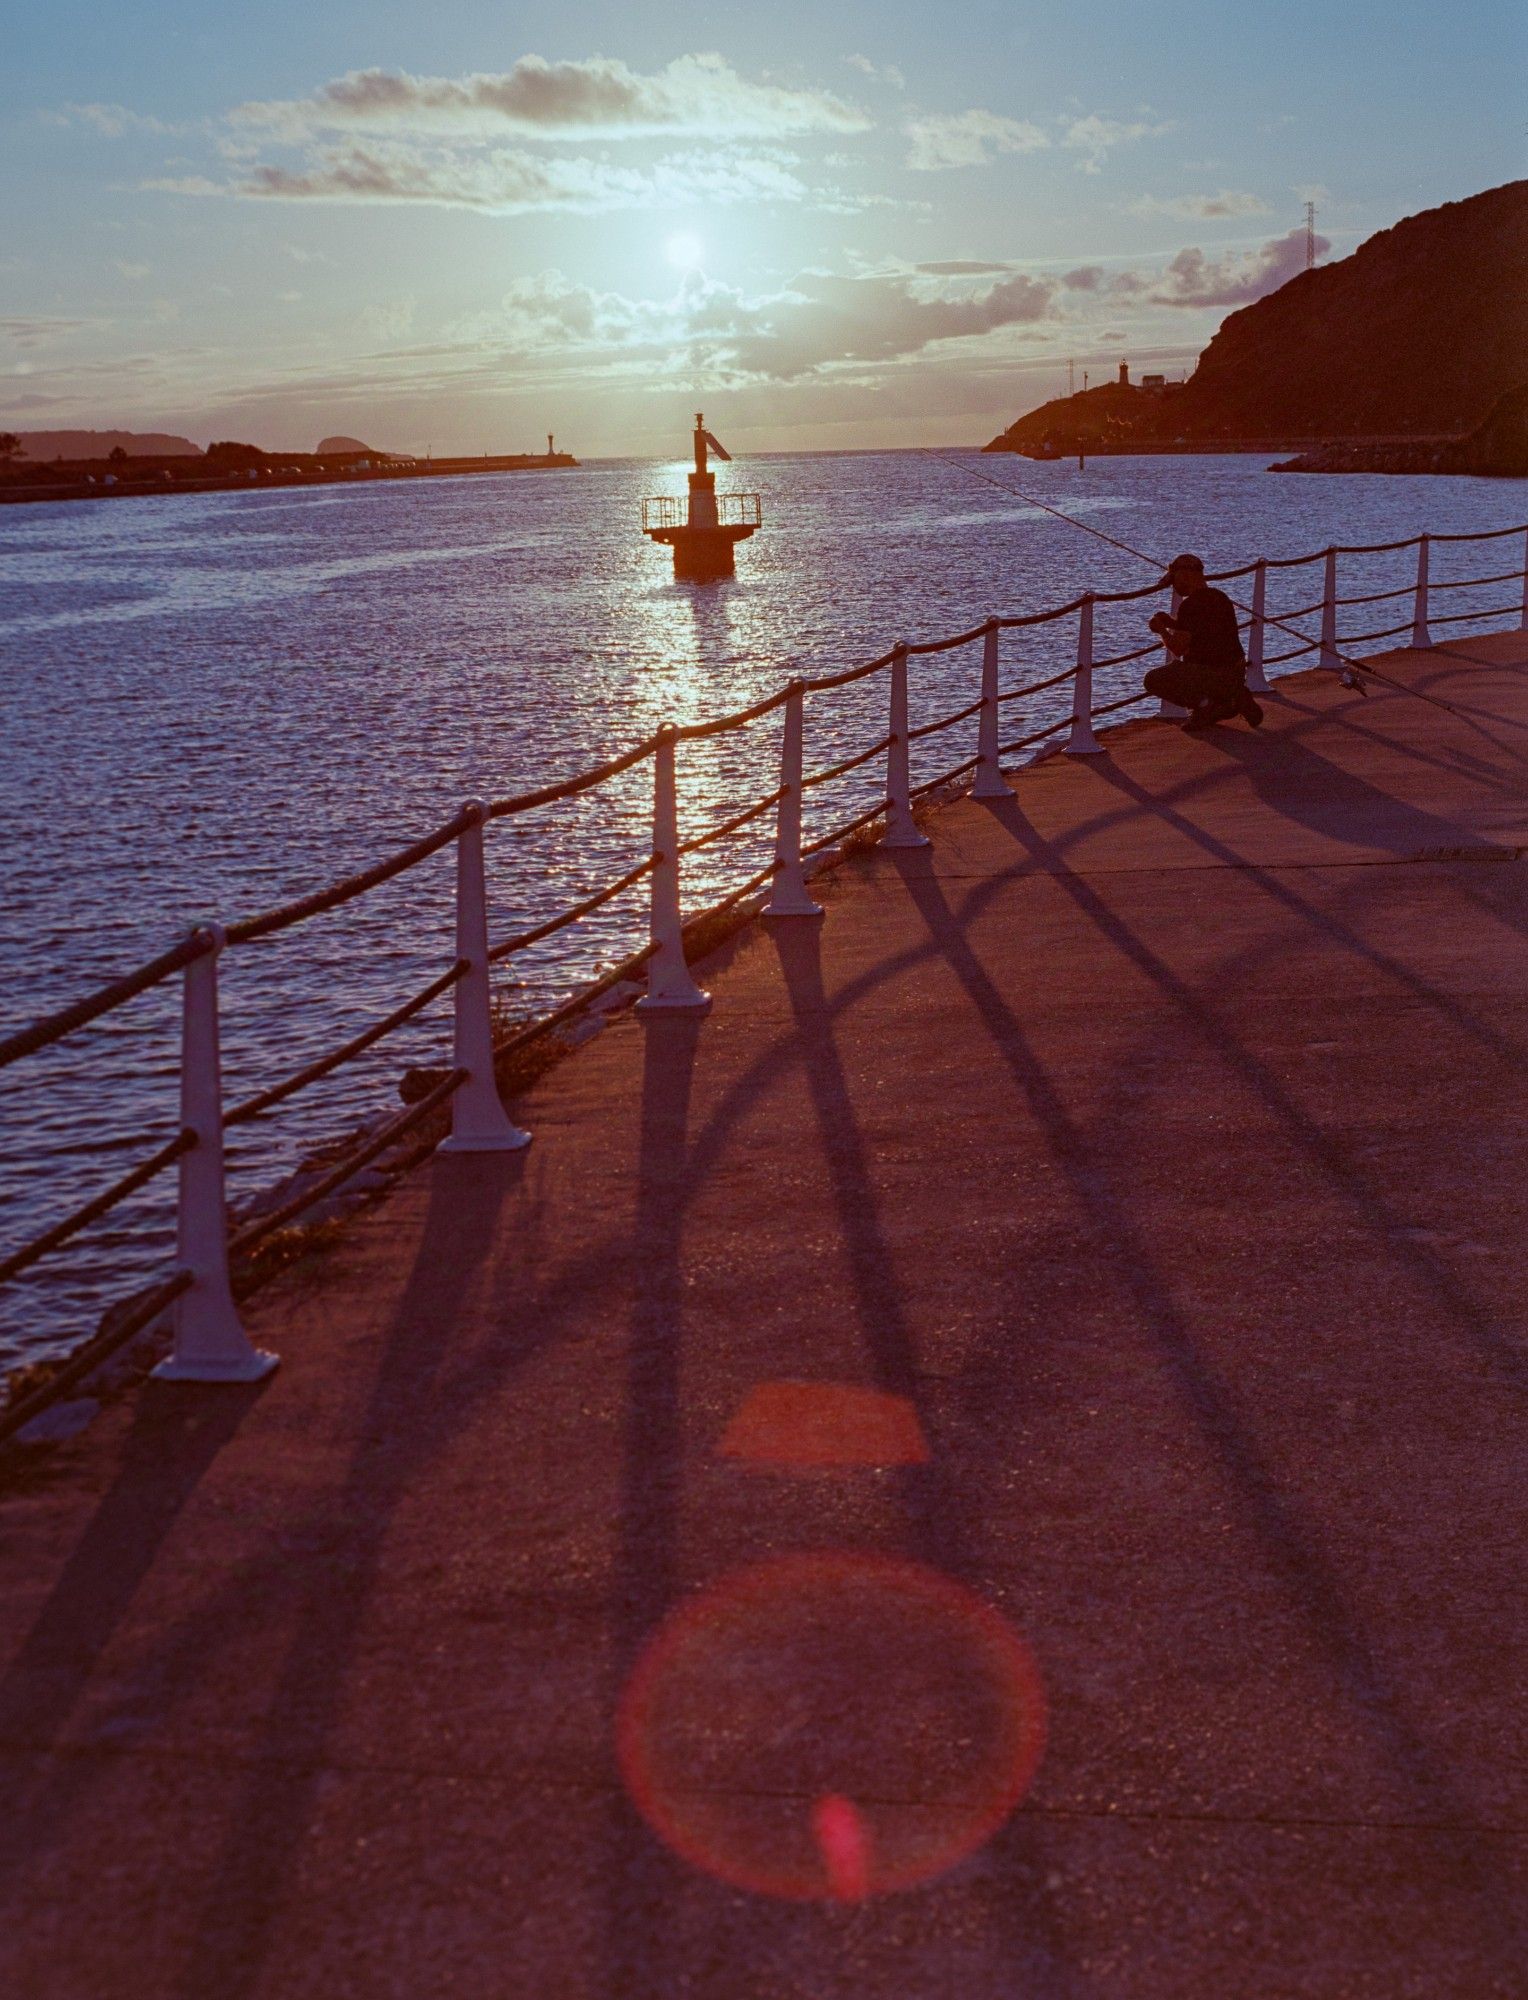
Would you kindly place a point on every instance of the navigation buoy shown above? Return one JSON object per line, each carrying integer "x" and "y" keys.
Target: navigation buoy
{"x": 704, "y": 534}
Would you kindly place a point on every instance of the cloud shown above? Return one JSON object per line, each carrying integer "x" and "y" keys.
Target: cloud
{"x": 132, "y": 272}
{"x": 508, "y": 181}
{"x": 1095, "y": 136}
{"x": 968, "y": 139}
{"x": 35, "y": 330}
{"x": 182, "y": 184}
{"x": 698, "y": 95}
{"x": 879, "y": 72}
{"x": 112, "y": 121}
{"x": 819, "y": 322}
{"x": 962, "y": 267}
{"x": 1200, "y": 207}
{"x": 1192, "y": 279}
{"x": 1086, "y": 278}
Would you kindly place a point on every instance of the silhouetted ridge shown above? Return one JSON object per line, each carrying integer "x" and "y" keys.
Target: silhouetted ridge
{"x": 1417, "y": 334}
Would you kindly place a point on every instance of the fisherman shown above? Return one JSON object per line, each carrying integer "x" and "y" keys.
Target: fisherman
{"x": 1208, "y": 672}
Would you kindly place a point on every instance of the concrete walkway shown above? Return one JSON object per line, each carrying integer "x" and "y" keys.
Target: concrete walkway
{"x": 1155, "y": 1139}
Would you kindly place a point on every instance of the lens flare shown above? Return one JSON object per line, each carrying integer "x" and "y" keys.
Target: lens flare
{"x": 830, "y": 1726}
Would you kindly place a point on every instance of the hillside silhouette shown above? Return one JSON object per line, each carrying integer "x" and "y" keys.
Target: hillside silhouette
{"x": 1418, "y": 333}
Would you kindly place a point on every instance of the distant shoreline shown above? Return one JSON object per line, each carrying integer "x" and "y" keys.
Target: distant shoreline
{"x": 260, "y": 479}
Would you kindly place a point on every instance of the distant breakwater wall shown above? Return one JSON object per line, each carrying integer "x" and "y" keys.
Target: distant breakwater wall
{"x": 128, "y": 486}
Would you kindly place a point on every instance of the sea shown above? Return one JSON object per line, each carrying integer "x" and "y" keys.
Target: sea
{"x": 216, "y": 702}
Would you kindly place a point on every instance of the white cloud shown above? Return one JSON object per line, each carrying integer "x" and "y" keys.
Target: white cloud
{"x": 819, "y": 322}
{"x": 183, "y": 184}
{"x": 1192, "y": 279}
{"x": 132, "y": 272}
{"x": 879, "y": 72}
{"x": 1223, "y": 206}
{"x": 968, "y": 139}
{"x": 1095, "y": 136}
{"x": 699, "y": 95}
{"x": 36, "y": 329}
{"x": 110, "y": 120}
{"x": 508, "y": 181}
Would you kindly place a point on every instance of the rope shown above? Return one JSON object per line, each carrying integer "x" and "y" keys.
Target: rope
{"x": 252, "y": 1232}
{"x": 561, "y": 922}
{"x": 53, "y": 1027}
{"x": 91, "y": 1354}
{"x": 263, "y": 1100}
{"x": 345, "y": 891}
{"x": 59, "y": 1232}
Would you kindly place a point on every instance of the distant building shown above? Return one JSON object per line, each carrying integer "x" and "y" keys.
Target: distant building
{"x": 1124, "y": 374}
{"x": 1154, "y": 385}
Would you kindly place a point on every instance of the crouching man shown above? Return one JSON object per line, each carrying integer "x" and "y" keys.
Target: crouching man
{"x": 1208, "y": 672}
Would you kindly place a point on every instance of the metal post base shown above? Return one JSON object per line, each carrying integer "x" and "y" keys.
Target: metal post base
{"x": 663, "y": 1003}
{"x": 511, "y": 1141}
{"x": 251, "y": 1367}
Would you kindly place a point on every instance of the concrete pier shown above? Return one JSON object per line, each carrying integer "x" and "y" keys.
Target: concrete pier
{"x": 1152, "y": 1144}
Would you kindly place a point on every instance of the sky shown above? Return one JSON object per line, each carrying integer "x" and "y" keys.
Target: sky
{"x": 457, "y": 227}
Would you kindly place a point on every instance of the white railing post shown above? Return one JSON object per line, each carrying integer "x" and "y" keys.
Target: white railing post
{"x": 1328, "y": 654}
{"x": 479, "y": 1122}
{"x": 1421, "y": 638}
{"x": 1257, "y": 679}
{"x": 1082, "y": 742}
{"x": 788, "y": 892}
{"x": 988, "y": 783}
{"x": 901, "y": 828}
{"x": 1171, "y": 708}
{"x": 1525, "y": 583}
{"x": 669, "y": 985}
{"x": 210, "y": 1343}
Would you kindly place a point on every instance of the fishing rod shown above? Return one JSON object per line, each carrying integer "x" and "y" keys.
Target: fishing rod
{"x": 1353, "y": 666}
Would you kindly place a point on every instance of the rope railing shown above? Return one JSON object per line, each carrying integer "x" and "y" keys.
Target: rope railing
{"x": 508, "y": 946}
{"x": 266, "y": 1100}
{"x": 209, "y": 1343}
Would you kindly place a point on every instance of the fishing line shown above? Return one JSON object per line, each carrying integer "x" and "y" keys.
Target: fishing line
{"x": 1353, "y": 666}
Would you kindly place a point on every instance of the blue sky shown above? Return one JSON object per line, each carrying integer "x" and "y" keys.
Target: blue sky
{"x": 456, "y": 227}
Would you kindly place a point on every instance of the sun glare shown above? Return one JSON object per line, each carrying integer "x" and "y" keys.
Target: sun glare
{"x": 685, "y": 251}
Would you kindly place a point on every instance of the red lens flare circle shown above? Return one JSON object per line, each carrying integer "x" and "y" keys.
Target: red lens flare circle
{"x": 830, "y": 1726}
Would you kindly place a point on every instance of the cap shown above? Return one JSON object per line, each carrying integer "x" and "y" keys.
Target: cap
{"x": 1187, "y": 562}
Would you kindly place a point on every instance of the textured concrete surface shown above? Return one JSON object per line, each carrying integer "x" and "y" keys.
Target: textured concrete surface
{"x": 1157, "y": 1137}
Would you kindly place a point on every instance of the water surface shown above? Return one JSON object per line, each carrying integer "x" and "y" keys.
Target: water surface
{"x": 214, "y": 702}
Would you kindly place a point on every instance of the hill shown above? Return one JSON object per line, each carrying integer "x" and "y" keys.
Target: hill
{"x": 48, "y": 445}
{"x": 1417, "y": 334}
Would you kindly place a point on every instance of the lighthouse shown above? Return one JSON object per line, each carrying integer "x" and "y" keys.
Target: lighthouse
{"x": 704, "y": 534}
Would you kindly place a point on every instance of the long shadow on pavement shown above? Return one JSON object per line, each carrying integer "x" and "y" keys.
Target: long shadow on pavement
{"x": 642, "y": 1879}
{"x": 1016, "y": 1865}
{"x": 398, "y": 1432}
{"x": 1291, "y": 1547}
{"x": 176, "y": 1435}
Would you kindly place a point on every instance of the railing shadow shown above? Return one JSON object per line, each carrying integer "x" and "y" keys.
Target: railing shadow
{"x": 1303, "y": 1131}
{"x": 642, "y": 1879}
{"x": 922, "y": 1492}
{"x": 1273, "y": 1514}
{"x": 1021, "y": 1907}
{"x": 177, "y": 1433}
{"x": 409, "y": 1404}
{"x": 1147, "y": 805}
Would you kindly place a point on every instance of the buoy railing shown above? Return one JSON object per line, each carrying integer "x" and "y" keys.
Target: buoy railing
{"x": 208, "y": 1342}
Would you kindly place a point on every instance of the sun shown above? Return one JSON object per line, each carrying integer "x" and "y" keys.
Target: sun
{"x": 685, "y": 251}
